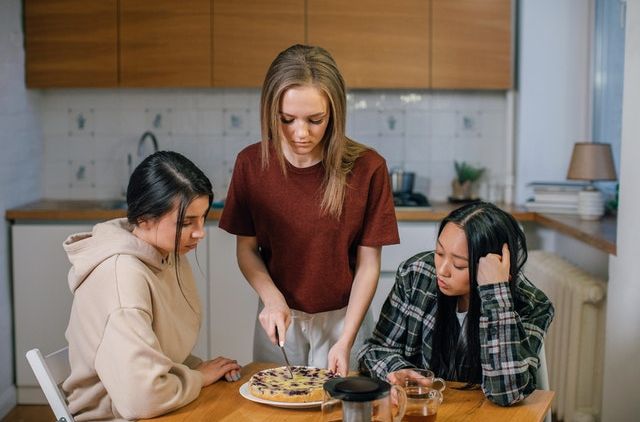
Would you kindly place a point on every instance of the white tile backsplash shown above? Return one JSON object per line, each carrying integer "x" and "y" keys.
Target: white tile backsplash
{"x": 418, "y": 124}
{"x": 236, "y": 121}
{"x": 159, "y": 120}
{"x": 421, "y": 131}
{"x": 209, "y": 121}
{"x": 391, "y": 123}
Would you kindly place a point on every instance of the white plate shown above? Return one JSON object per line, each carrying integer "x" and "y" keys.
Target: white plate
{"x": 246, "y": 393}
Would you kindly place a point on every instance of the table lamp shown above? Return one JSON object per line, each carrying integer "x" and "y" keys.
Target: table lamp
{"x": 591, "y": 161}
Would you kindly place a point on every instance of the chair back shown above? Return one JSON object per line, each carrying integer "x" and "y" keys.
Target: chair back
{"x": 51, "y": 371}
{"x": 542, "y": 379}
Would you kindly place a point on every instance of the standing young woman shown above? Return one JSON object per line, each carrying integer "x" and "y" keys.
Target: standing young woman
{"x": 465, "y": 311}
{"x": 136, "y": 314}
{"x": 311, "y": 209}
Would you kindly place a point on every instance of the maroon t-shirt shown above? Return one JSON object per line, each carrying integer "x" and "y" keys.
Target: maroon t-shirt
{"x": 310, "y": 257}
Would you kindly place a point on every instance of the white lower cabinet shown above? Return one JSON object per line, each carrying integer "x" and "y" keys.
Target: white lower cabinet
{"x": 199, "y": 260}
{"x": 232, "y": 302}
{"x": 41, "y": 297}
{"x": 385, "y": 284}
{"x": 414, "y": 237}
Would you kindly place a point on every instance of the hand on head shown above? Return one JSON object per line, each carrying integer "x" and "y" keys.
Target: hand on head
{"x": 494, "y": 268}
{"x": 212, "y": 370}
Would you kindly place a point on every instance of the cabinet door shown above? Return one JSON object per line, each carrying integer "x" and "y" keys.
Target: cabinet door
{"x": 71, "y": 43}
{"x": 41, "y": 297}
{"x": 376, "y": 43}
{"x": 199, "y": 260}
{"x": 472, "y": 44}
{"x": 414, "y": 237}
{"x": 232, "y": 302}
{"x": 165, "y": 43}
{"x": 248, "y": 35}
{"x": 385, "y": 284}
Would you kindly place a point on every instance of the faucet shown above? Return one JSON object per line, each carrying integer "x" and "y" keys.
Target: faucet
{"x": 154, "y": 142}
{"x": 144, "y": 136}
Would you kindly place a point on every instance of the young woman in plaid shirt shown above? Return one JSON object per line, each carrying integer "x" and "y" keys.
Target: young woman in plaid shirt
{"x": 465, "y": 310}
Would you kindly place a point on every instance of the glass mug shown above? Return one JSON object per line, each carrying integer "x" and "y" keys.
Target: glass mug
{"x": 424, "y": 394}
{"x": 417, "y": 377}
{"x": 422, "y": 403}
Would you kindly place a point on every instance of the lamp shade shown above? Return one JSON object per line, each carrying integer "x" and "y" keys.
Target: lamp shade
{"x": 591, "y": 161}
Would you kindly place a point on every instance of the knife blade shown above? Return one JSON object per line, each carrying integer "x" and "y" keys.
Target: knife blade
{"x": 284, "y": 354}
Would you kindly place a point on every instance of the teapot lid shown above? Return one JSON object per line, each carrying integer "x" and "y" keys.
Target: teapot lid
{"x": 358, "y": 389}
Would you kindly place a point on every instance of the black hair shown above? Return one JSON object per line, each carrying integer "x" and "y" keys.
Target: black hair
{"x": 486, "y": 228}
{"x": 162, "y": 181}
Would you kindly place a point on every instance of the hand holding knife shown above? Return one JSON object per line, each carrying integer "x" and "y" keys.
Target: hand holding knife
{"x": 281, "y": 345}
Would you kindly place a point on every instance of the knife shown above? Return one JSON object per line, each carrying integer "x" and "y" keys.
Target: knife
{"x": 284, "y": 354}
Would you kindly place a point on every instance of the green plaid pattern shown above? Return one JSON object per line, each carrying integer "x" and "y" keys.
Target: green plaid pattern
{"x": 511, "y": 330}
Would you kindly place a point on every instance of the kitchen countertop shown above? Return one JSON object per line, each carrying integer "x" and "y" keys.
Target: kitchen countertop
{"x": 600, "y": 234}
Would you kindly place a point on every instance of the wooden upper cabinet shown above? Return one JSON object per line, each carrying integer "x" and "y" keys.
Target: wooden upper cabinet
{"x": 71, "y": 43}
{"x": 376, "y": 43}
{"x": 472, "y": 44}
{"x": 247, "y": 36}
{"x": 439, "y": 44}
{"x": 165, "y": 43}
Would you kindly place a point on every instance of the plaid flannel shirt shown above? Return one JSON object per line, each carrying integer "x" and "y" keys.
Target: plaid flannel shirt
{"x": 511, "y": 331}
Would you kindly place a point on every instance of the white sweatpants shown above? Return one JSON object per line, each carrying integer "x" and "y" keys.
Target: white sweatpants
{"x": 309, "y": 338}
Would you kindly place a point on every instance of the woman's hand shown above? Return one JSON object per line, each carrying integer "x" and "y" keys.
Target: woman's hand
{"x": 400, "y": 376}
{"x": 338, "y": 359}
{"x": 212, "y": 370}
{"x": 275, "y": 315}
{"x": 494, "y": 268}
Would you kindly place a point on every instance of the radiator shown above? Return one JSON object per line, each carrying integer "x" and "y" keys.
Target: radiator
{"x": 574, "y": 344}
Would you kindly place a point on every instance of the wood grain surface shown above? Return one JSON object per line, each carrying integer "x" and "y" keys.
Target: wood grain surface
{"x": 223, "y": 402}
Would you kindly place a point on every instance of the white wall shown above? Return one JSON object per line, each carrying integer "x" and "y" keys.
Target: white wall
{"x": 622, "y": 347}
{"x": 20, "y": 169}
{"x": 554, "y": 92}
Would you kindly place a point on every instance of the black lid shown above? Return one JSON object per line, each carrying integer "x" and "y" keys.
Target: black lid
{"x": 357, "y": 388}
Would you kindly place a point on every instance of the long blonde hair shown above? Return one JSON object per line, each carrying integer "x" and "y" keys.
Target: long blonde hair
{"x": 301, "y": 65}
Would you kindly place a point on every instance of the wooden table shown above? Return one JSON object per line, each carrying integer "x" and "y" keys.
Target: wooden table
{"x": 222, "y": 402}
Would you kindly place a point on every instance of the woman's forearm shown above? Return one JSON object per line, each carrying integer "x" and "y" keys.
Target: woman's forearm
{"x": 364, "y": 287}
{"x": 255, "y": 271}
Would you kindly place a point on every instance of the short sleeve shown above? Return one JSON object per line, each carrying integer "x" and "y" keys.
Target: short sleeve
{"x": 380, "y": 224}
{"x": 236, "y": 216}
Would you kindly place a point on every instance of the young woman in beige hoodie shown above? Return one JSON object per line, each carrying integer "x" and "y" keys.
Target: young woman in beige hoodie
{"x": 136, "y": 312}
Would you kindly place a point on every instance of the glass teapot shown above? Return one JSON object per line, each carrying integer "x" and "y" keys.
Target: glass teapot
{"x": 361, "y": 399}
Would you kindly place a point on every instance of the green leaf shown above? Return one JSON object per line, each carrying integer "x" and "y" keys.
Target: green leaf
{"x": 468, "y": 172}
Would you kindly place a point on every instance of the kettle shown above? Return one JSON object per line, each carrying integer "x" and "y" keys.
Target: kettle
{"x": 361, "y": 399}
{"x": 401, "y": 181}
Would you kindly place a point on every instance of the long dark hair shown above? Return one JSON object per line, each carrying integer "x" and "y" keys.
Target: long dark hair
{"x": 161, "y": 180}
{"x": 487, "y": 228}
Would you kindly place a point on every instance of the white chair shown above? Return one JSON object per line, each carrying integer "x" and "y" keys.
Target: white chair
{"x": 542, "y": 381}
{"x": 51, "y": 371}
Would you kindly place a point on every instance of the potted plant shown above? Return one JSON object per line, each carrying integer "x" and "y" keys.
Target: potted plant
{"x": 466, "y": 176}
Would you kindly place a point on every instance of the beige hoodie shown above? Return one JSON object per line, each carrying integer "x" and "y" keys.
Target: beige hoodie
{"x": 132, "y": 327}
